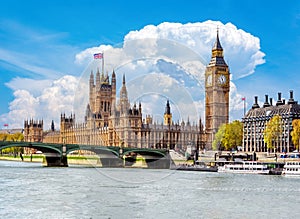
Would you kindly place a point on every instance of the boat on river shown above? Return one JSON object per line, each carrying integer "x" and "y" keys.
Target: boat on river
{"x": 195, "y": 167}
{"x": 291, "y": 168}
{"x": 252, "y": 167}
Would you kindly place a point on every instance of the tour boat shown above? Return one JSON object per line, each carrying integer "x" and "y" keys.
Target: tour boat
{"x": 291, "y": 168}
{"x": 244, "y": 167}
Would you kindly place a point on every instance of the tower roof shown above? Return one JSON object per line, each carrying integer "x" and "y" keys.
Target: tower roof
{"x": 124, "y": 79}
{"x": 168, "y": 108}
{"x": 217, "y": 58}
{"x": 217, "y": 45}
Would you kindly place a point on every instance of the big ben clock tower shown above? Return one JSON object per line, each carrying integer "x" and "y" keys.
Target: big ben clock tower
{"x": 217, "y": 86}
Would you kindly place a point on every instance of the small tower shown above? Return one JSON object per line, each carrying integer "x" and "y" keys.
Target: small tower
{"x": 92, "y": 91}
{"x": 66, "y": 122}
{"x": 124, "y": 103}
{"x": 168, "y": 114}
{"x": 113, "y": 93}
{"x": 98, "y": 81}
{"x": 52, "y": 126}
{"x": 33, "y": 131}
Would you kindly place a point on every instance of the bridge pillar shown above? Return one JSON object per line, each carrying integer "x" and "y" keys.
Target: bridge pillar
{"x": 111, "y": 162}
{"x": 151, "y": 161}
{"x": 55, "y": 160}
{"x": 161, "y": 163}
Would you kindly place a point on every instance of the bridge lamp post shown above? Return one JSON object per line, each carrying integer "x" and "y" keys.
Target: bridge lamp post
{"x": 121, "y": 152}
{"x": 64, "y": 148}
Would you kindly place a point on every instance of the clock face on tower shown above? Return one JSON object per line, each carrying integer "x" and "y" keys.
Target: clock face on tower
{"x": 209, "y": 80}
{"x": 222, "y": 79}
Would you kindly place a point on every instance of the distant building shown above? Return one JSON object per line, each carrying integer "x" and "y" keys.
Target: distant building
{"x": 11, "y": 131}
{"x": 33, "y": 130}
{"x": 255, "y": 122}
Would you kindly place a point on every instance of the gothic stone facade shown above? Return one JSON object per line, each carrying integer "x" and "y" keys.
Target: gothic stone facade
{"x": 110, "y": 124}
{"x": 255, "y": 122}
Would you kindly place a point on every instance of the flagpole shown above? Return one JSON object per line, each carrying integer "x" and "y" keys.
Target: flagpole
{"x": 102, "y": 62}
{"x": 244, "y": 106}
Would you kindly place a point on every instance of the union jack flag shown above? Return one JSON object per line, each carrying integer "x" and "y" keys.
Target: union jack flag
{"x": 98, "y": 56}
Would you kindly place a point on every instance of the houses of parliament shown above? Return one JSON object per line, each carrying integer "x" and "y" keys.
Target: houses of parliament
{"x": 109, "y": 122}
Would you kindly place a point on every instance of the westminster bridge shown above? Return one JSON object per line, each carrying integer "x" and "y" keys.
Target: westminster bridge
{"x": 110, "y": 156}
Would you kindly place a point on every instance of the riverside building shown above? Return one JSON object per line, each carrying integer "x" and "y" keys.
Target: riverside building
{"x": 256, "y": 118}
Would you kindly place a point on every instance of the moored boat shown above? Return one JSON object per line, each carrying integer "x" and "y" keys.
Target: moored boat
{"x": 253, "y": 167}
{"x": 195, "y": 167}
{"x": 291, "y": 168}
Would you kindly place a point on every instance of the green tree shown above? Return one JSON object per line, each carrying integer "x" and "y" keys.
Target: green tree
{"x": 3, "y": 136}
{"x": 18, "y": 136}
{"x": 217, "y": 143}
{"x": 273, "y": 131}
{"x": 229, "y": 136}
{"x": 233, "y": 135}
{"x": 295, "y": 133}
{"x": 12, "y": 137}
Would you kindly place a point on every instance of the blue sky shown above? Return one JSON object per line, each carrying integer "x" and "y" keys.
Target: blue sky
{"x": 39, "y": 41}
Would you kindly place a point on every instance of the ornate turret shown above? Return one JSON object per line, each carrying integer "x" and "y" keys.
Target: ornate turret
{"x": 106, "y": 78}
{"x": 217, "y": 57}
{"x": 168, "y": 108}
{"x": 102, "y": 77}
{"x": 113, "y": 92}
{"x": 66, "y": 122}
{"x": 92, "y": 91}
{"x": 123, "y": 81}
{"x": 124, "y": 103}
{"x": 140, "y": 108}
{"x": 52, "y": 126}
{"x": 168, "y": 114}
{"x": 98, "y": 81}
{"x": 217, "y": 45}
{"x": 33, "y": 130}
{"x": 92, "y": 78}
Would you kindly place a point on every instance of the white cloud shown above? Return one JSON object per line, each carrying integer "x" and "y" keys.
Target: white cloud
{"x": 236, "y": 102}
{"x": 52, "y": 100}
{"x": 198, "y": 37}
{"x": 35, "y": 87}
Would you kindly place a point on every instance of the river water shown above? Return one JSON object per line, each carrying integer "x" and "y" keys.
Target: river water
{"x": 28, "y": 190}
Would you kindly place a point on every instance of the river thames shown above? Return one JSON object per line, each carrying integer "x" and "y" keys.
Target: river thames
{"x": 29, "y": 190}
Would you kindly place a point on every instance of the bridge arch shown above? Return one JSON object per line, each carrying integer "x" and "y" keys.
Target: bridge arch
{"x": 144, "y": 151}
{"x": 53, "y": 154}
{"x": 108, "y": 156}
{"x": 157, "y": 159}
{"x": 112, "y": 150}
{"x": 46, "y": 148}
